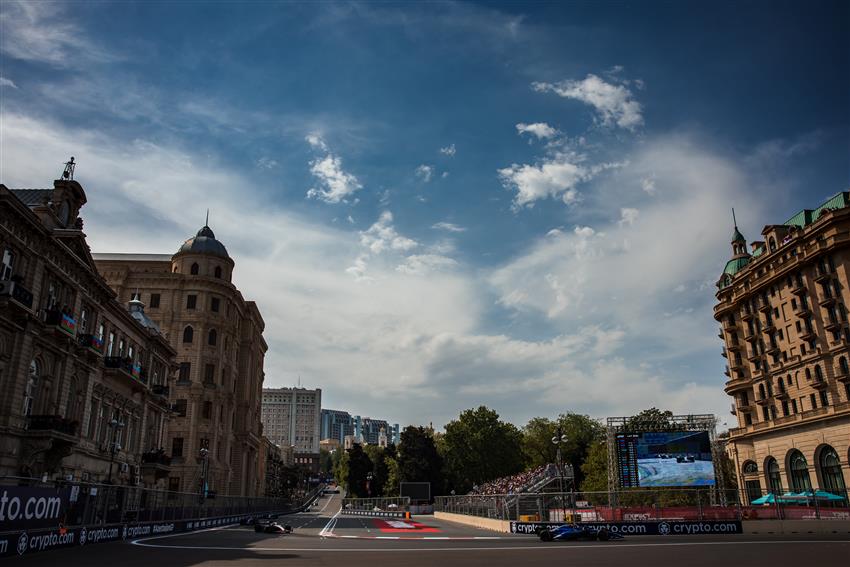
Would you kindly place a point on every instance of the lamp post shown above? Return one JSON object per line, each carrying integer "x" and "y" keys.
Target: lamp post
{"x": 114, "y": 445}
{"x": 369, "y": 484}
{"x": 204, "y": 452}
{"x": 557, "y": 440}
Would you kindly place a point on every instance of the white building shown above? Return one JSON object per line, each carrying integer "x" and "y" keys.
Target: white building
{"x": 291, "y": 417}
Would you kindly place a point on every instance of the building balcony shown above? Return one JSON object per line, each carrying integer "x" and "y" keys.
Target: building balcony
{"x": 723, "y": 353}
{"x": 822, "y": 276}
{"x": 826, "y": 300}
{"x": 808, "y": 334}
{"x": 772, "y": 349}
{"x": 832, "y": 325}
{"x": 54, "y": 427}
{"x": 782, "y": 394}
{"x": 801, "y": 310}
{"x": 17, "y": 293}
{"x": 729, "y": 325}
{"x": 90, "y": 344}
{"x": 763, "y": 401}
{"x": 798, "y": 288}
{"x": 842, "y": 377}
{"x": 746, "y": 316}
{"x": 734, "y": 346}
{"x": 819, "y": 384}
{"x": 752, "y": 337}
{"x": 61, "y": 323}
{"x": 127, "y": 370}
{"x": 768, "y": 327}
{"x": 764, "y": 306}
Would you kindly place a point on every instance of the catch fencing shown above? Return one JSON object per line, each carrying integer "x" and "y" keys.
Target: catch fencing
{"x": 92, "y": 504}
{"x": 376, "y": 504}
{"x": 649, "y": 505}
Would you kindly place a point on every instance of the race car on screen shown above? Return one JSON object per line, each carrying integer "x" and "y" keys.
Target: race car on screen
{"x": 569, "y": 532}
{"x": 272, "y": 527}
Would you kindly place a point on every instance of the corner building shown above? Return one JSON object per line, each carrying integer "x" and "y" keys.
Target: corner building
{"x": 782, "y": 308}
{"x": 84, "y": 379}
{"x": 218, "y": 336}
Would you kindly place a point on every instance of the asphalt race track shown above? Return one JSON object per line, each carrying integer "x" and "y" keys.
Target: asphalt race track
{"x": 323, "y": 537}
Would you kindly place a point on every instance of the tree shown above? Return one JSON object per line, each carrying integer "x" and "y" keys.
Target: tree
{"x": 359, "y": 465}
{"x": 595, "y": 468}
{"x": 325, "y": 461}
{"x": 480, "y": 448}
{"x": 418, "y": 460}
{"x": 582, "y": 432}
{"x": 380, "y": 458}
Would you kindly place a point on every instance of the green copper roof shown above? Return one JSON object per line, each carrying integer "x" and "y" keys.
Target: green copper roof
{"x": 808, "y": 216}
{"x": 735, "y": 265}
{"x": 758, "y": 251}
{"x": 737, "y": 236}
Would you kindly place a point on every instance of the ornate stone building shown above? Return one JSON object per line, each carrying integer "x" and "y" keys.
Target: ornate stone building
{"x": 218, "y": 335}
{"x": 84, "y": 379}
{"x": 783, "y": 319}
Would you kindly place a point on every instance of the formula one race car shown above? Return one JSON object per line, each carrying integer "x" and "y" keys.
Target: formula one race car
{"x": 271, "y": 527}
{"x": 576, "y": 531}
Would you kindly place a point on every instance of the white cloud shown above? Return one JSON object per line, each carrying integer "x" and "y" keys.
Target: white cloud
{"x": 44, "y": 32}
{"x": 628, "y": 216}
{"x": 539, "y": 129}
{"x": 420, "y": 264}
{"x": 316, "y": 142}
{"x": 4, "y": 82}
{"x": 336, "y": 184}
{"x": 382, "y": 236}
{"x": 267, "y": 163}
{"x": 445, "y": 174}
{"x": 449, "y": 150}
{"x": 648, "y": 185}
{"x": 350, "y": 219}
{"x": 424, "y": 172}
{"x": 613, "y": 103}
{"x": 447, "y": 226}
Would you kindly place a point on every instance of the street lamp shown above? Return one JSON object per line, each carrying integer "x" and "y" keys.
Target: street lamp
{"x": 204, "y": 452}
{"x": 369, "y": 484}
{"x": 114, "y": 445}
{"x": 558, "y": 440}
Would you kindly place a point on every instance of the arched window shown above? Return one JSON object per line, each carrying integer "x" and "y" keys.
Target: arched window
{"x": 774, "y": 481}
{"x": 750, "y": 467}
{"x": 842, "y": 363}
{"x": 798, "y": 472}
{"x": 818, "y": 373}
{"x": 217, "y": 271}
{"x": 808, "y": 374}
{"x": 188, "y": 334}
{"x": 31, "y": 388}
{"x": 194, "y": 269}
{"x": 772, "y": 243}
{"x": 830, "y": 471}
{"x": 761, "y": 391}
{"x": 212, "y": 337}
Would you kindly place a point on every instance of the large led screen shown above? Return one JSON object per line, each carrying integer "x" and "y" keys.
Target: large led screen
{"x": 664, "y": 458}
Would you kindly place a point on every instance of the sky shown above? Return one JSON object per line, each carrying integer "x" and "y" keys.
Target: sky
{"x": 442, "y": 205}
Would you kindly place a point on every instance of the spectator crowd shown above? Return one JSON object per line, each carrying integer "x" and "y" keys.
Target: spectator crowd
{"x": 516, "y": 483}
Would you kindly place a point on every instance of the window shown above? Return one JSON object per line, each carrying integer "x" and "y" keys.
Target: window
{"x": 191, "y": 301}
{"x": 184, "y": 372}
{"x": 194, "y": 269}
{"x": 824, "y": 398}
{"x": 217, "y": 272}
{"x": 830, "y": 470}
{"x": 813, "y": 400}
{"x": 214, "y": 304}
{"x": 203, "y": 443}
{"x": 177, "y": 447}
{"x": 774, "y": 481}
{"x": 188, "y": 334}
{"x": 794, "y": 406}
{"x": 818, "y": 373}
{"x": 8, "y": 264}
{"x": 180, "y": 407}
{"x": 799, "y": 472}
{"x": 207, "y": 412}
{"x": 110, "y": 345}
{"x": 174, "y": 484}
{"x": 209, "y": 374}
{"x": 212, "y": 337}
{"x": 154, "y": 301}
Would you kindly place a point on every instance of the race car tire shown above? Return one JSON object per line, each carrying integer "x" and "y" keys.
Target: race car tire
{"x": 545, "y": 535}
{"x": 602, "y": 534}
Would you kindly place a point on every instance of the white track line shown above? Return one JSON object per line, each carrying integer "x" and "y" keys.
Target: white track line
{"x": 497, "y": 548}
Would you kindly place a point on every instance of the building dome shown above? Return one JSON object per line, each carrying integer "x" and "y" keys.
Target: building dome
{"x": 204, "y": 243}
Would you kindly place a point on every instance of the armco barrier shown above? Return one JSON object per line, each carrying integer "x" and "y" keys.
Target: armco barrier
{"x": 380, "y": 513}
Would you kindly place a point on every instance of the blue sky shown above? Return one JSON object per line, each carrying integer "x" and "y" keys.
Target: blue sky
{"x": 438, "y": 205}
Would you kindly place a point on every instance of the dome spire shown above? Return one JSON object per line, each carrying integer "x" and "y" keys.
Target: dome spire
{"x": 207, "y": 223}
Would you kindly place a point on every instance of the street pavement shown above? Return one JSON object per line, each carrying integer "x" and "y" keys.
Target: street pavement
{"x": 323, "y": 536}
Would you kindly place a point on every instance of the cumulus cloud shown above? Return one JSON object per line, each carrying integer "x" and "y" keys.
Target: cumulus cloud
{"x": 335, "y": 184}
{"x": 628, "y": 216}
{"x": 539, "y": 129}
{"x": 614, "y": 103}
{"x": 448, "y": 150}
{"x": 447, "y": 226}
{"x": 424, "y": 172}
{"x": 382, "y": 236}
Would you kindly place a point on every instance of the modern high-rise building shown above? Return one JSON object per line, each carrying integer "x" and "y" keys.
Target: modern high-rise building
{"x": 215, "y": 431}
{"x": 291, "y": 417}
{"x": 782, "y": 309}
{"x": 338, "y": 425}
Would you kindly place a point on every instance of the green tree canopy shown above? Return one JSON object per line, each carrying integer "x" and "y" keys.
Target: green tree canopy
{"x": 582, "y": 432}
{"x": 359, "y": 465}
{"x": 418, "y": 460}
{"x": 479, "y": 448}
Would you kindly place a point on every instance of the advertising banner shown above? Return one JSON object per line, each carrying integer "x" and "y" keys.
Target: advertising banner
{"x": 671, "y": 527}
{"x": 25, "y": 507}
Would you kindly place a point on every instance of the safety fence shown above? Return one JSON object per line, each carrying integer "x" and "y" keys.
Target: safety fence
{"x": 352, "y": 505}
{"x": 650, "y": 505}
{"x": 74, "y": 504}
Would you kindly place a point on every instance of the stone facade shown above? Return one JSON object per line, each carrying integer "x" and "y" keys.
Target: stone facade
{"x": 782, "y": 310}
{"x": 291, "y": 418}
{"x": 85, "y": 381}
{"x": 218, "y": 336}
